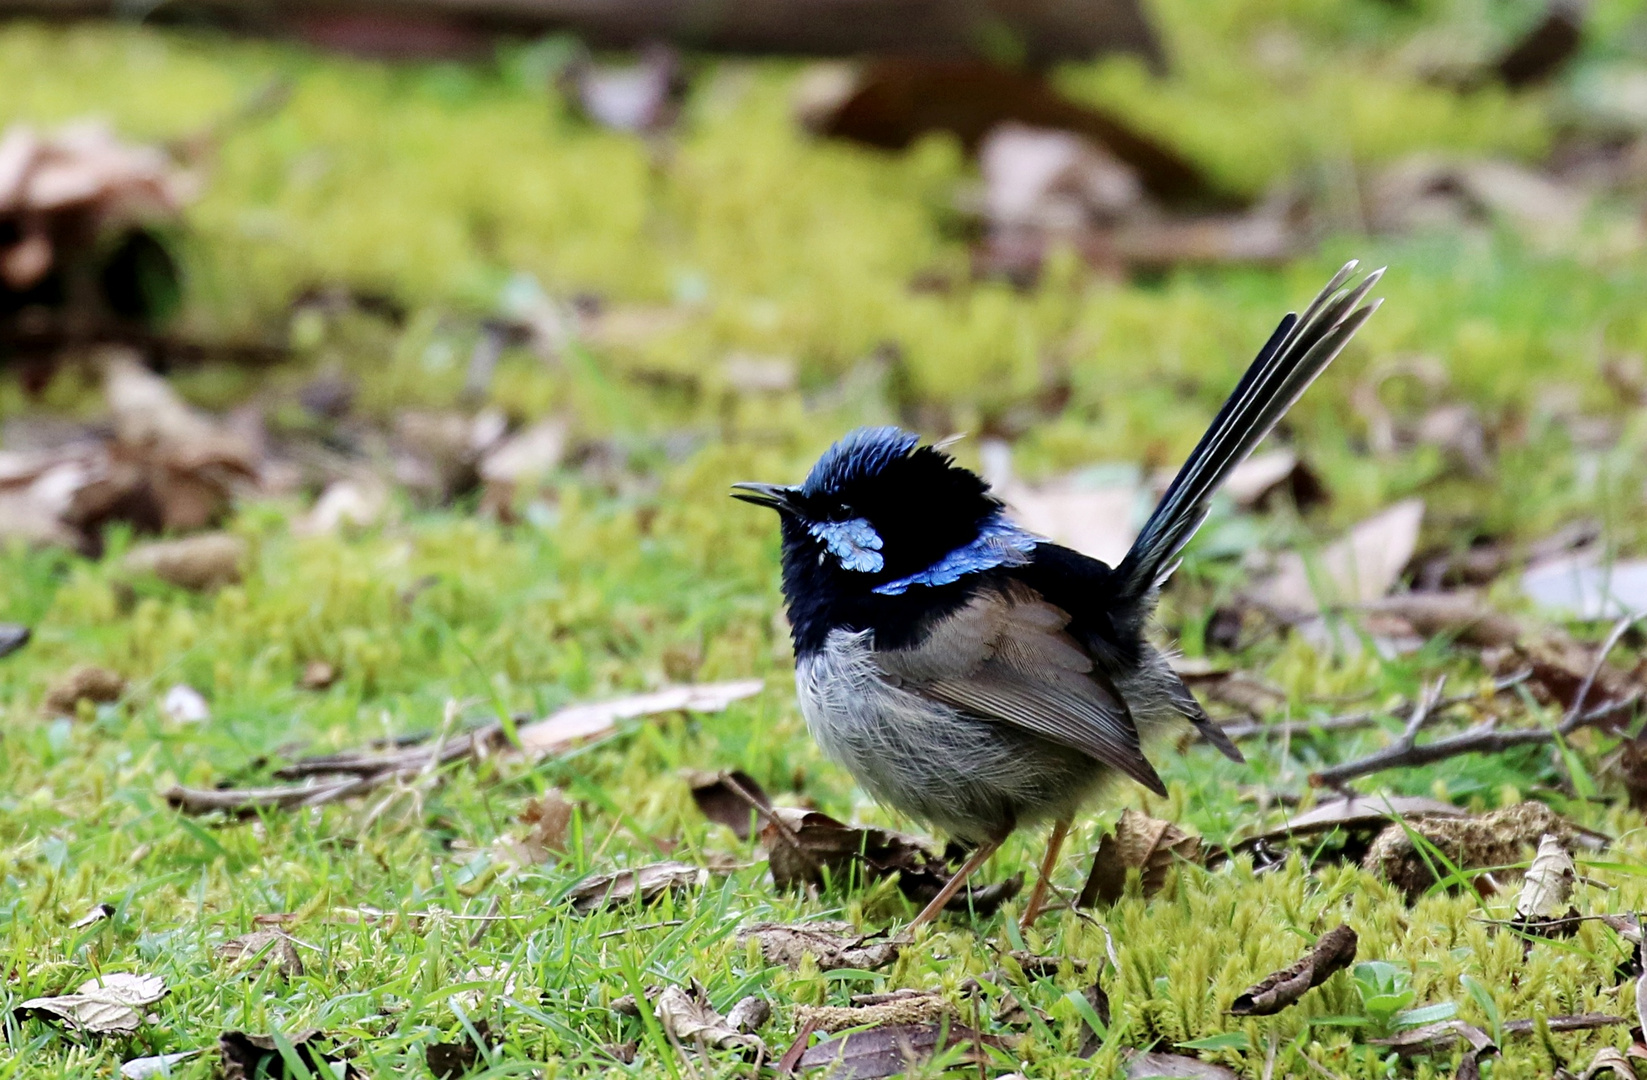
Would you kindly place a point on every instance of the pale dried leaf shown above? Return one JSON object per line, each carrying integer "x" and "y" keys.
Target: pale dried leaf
{"x": 160, "y": 1065}
{"x": 547, "y": 820}
{"x": 527, "y": 455}
{"x": 1358, "y": 568}
{"x": 1584, "y": 587}
{"x": 575, "y": 723}
{"x": 97, "y": 1014}
{"x": 689, "y": 1017}
{"x": 750, "y": 1014}
{"x": 1333, "y": 952}
{"x": 98, "y": 913}
{"x": 1094, "y": 512}
{"x": 644, "y": 883}
{"x": 355, "y": 503}
{"x": 126, "y": 987}
{"x": 1641, "y": 1003}
{"x": 198, "y": 563}
{"x": 1609, "y": 1059}
{"x": 832, "y": 945}
{"x": 1149, "y": 845}
{"x": 1548, "y": 883}
{"x": 184, "y": 704}
{"x": 259, "y": 948}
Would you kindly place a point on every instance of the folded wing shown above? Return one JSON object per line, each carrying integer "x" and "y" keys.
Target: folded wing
{"x": 1006, "y": 657}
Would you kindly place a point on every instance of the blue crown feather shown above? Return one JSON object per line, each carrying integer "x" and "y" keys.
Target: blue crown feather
{"x": 859, "y": 453}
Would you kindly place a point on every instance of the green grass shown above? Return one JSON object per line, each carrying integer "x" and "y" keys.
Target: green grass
{"x": 441, "y": 184}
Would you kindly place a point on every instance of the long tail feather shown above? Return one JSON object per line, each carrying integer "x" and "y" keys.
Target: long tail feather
{"x": 1298, "y": 351}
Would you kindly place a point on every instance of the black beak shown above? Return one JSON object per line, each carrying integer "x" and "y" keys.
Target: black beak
{"x": 776, "y": 496}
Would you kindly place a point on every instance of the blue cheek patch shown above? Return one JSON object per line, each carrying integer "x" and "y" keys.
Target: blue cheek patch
{"x": 999, "y": 543}
{"x": 855, "y": 544}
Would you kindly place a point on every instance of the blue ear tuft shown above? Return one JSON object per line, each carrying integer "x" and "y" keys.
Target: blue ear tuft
{"x": 854, "y": 543}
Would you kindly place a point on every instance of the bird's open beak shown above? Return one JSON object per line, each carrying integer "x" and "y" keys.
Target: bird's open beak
{"x": 776, "y": 496}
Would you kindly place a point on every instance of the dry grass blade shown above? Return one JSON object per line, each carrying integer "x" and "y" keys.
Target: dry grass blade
{"x": 1333, "y": 952}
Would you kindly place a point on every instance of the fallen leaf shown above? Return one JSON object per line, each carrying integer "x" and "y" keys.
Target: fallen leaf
{"x": 547, "y": 819}
{"x": 1608, "y": 1059}
{"x": 575, "y": 723}
{"x": 690, "y": 1018}
{"x": 1501, "y": 838}
{"x": 452, "y": 1059}
{"x": 184, "y": 704}
{"x": 747, "y": 374}
{"x": 526, "y": 456}
{"x": 893, "y": 1049}
{"x": 832, "y": 945}
{"x": 257, "y": 1057}
{"x": 1094, "y": 512}
{"x": 1333, "y": 952}
{"x": 317, "y": 675}
{"x": 1149, "y": 845}
{"x": 1461, "y": 614}
{"x": 1357, "y": 569}
{"x": 1044, "y": 178}
{"x": 13, "y": 637}
{"x": 1257, "y": 479}
{"x": 98, "y": 913}
{"x": 1155, "y": 1064}
{"x": 160, "y": 1065}
{"x": 259, "y": 948}
{"x": 1361, "y": 812}
{"x": 84, "y": 683}
{"x": 1547, "y": 885}
{"x": 1582, "y": 587}
{"x": 732, "y": 799}
{"x": 107, "y": 1005}
{"x": 640, "y": 97}
{"x": 198, "y": 563}
{"x": 750, "y": 1014}
{"x": 644, "y": 883}
{"x": 802, "y": 844}
{"x": 1433, "y": 1038}
{"x": 1545, "y": 48}
{"x": 353, "y": 503}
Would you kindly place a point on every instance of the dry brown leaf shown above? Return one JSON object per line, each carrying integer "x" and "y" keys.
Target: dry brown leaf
{"x": 1256, "y": 480}
{"x": 1333, "y": 951}
{"x": 644, "y": 883}
{"x": 1609, "y": 1059}
{"x": 688, "y": 1015}
{"x": 750, "y": 1014}
{"x": 86, "y": 682}
{"x": 452, "y": 1059}
{"x": 1358, "y": 568}
{"x": 107, "y": 1005}
{"x": 893, "y": 1049}
{"x": 1149, "y": 845}
{"x": 802, "y": 845}
{"x": 199, "y": 563}
{"x": 256, "y": 1057}
{"x": 548, "y": 819}
{"x": 256, "y": 950}
{"x": 732, "y": 799}
{"x": 1156, "y": 1064}
{"x": 576, "y": 723}
{"x": 317, "y": 675}
{"x": 831, "y": 945}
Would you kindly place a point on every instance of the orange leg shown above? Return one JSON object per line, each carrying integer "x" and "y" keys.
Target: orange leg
{"x": 1049, "y": 863}
{"x": 947, "y": 893}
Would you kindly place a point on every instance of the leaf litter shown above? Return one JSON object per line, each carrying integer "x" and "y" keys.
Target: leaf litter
{"x": 1142, "y": 843}
{"x": 1334, "y": 951}
{"x": 107, "y": 1005}
{"x": 830, "y": 944}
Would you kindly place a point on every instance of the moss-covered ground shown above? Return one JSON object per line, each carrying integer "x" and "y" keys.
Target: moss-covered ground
{"x": 454, "y": 187}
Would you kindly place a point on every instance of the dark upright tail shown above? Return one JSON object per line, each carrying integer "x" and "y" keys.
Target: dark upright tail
{"x": 1298, "y": 351}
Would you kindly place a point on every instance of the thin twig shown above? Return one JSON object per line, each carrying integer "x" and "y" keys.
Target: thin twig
{"x": 1399, "y": 752}
{"x": 622, "y": 930}
{"x": 1571, "y": 720}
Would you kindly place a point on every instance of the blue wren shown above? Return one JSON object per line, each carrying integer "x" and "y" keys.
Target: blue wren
{"x": 981, "y": 678}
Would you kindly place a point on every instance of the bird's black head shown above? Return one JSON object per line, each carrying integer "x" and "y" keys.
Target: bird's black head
{"x": 881, "y": 516}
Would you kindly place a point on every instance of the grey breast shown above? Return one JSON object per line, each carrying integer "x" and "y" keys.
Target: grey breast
{"x": 995, "y": 720}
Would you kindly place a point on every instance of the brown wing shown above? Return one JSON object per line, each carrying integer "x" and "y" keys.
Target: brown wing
{"x": 1006, "y": 657}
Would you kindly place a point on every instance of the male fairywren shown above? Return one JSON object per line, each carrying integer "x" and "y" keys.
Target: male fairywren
{"x": 981, "y": 678}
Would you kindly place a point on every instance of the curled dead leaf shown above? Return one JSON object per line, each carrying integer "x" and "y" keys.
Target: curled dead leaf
{"x": 258, "y": 1057}
{"x": 107, "y": 1005}
{"x": 1333, "y": 952}
{"x": 198, "y": 563}
{"x": 1149, "y": 845}
{"x": 645, "y": 883}
{"x": 159, "y": 1065}
{"x": 832, "y": 945}
{"x": 260, "y": 948}
{"x": 893, "y": 1049}
{"x": 1545, "y": 888}
{"x": 688, "y": 1015}
{"x": 732, "y": 799}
